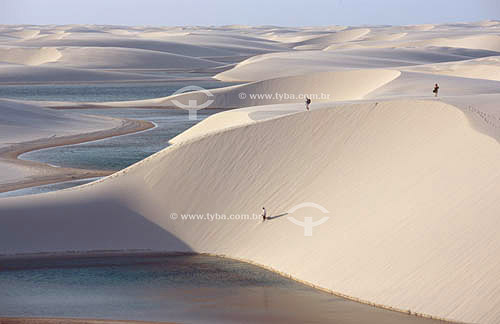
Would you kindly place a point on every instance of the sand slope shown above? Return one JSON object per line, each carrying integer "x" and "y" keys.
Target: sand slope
{"x": 217, "y": 48}
{"x": 485, "y": 68}
{"x": 106, "y": 58}
{"x": 20, "y": 122}
{"x": 337, "y": 37}
{"x": 411, "y": 182}
{"x": 382, "y": 191}
{"x": 29, "y": 56}
{"x": 321, "y": 87}
{"x": 43, "y": 74}
{"x": 272, "y": 65}
{"x": 486, "y": 42}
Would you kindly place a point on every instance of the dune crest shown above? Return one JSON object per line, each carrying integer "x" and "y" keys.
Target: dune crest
{"x": 380, "y": 191}
{"x": 410, "y": 181}
{"x": 321, "y": 87}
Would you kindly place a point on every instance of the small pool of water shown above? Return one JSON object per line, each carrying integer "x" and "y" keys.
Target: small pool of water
{"x": 119, "y": 152}
{"x": 175, "y": 288}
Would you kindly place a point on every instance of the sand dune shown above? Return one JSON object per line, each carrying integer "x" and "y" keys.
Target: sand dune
{"x": 338, "y": 37}
{"x": 411, "y": 182}
{"x": 233, "y": 42}
{"x": 485, "y": 42}
{"x": 52, "y": 36}
{"x": 145, "y": 44}
{"x": 321, "y": 87}
{"x": 378, "y": 255}
{"x": 42, "y": 74}
{"x": 425, "y": 27}
{"x": 420, "y": 85}
{"x": 385, "y": 37}
{"x": 21, "y": 122}
{"x": 24, "y": 33}
{"x": 29, "y": 56}
{"x": 484, "y": 68}
{"x": 292, "y": 36}
{"x": 271, "y": 65}
{"x": 105, "y": 58}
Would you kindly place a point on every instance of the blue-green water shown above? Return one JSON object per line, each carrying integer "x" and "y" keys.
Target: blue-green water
{"x": 113, "y": 153}
{"x": 100, "y": 92}
{"x": 177, "y": 288}
{"x": 46, "y": 188}
{"x": 119, "y": 152}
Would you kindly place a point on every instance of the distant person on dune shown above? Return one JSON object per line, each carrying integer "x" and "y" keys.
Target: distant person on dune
{"x": 436, "y": 90}
{"x": 308, "y": 102}
{"x": 264, "y": 213}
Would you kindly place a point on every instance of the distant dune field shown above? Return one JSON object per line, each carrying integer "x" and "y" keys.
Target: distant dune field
{"x": 410, "y": 181}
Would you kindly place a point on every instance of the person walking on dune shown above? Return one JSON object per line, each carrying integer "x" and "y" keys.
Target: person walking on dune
{"x": 264, "y": 214}
{"x": 308, "y": 102}
{"x": 436, "y": 90}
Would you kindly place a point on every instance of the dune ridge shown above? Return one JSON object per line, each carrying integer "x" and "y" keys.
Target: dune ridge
{"x": 410, "y": 182}
{"x": 380, "y": 264}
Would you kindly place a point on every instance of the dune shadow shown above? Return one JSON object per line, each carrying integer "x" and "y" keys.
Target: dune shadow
{"x": 81, "y": 225}
{"x": 277, "y": 216}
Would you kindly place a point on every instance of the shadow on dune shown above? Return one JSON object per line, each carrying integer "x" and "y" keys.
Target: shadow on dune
{"x": 94, "y": 224}
{"x": 277, "y": 216}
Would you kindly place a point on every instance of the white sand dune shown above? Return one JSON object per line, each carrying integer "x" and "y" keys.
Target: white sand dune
{"x": 291, "y": 36}
{"x": 24, "y": 33}
{"x": 52, "y": 36}
{"x": 271, "y": 65}
{"x": 381, "y": 191}
{"x": 341, "y": 85}
{"x": 489, "y": 23}
{"x": 233, "y": 42}
{"x": 321, "y": 87}
{"x": 191, "y": 43}
{"x": 145, "y": 44}
{"x": 484, "y": 68}
{"x": 411, "y": 182}
{"x": 425, "y": 27}
{"x": 42, "y": 74}
{"x": 21, "y": 122}
{"x": 385, "y": 37}
{"x": 485, "y": 42}
{"x": 337, "y": 37}
{"x": 29, "y": 56}
{"x": 105, "y": 58}
{"x": 420, "y": 85}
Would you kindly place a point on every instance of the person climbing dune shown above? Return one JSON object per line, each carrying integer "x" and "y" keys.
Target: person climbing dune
{"x": 308, "y": 102}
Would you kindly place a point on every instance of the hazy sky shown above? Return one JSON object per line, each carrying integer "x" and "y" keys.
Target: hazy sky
{"x": 248, "y": 12}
